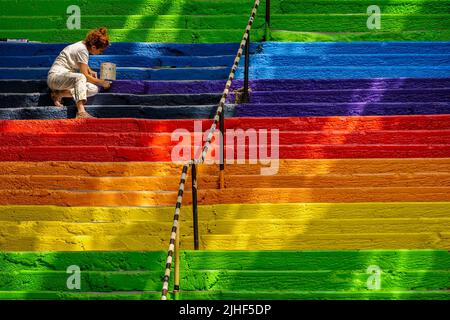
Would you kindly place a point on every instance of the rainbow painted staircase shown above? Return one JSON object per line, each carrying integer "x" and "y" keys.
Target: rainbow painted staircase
{"x": 364, "y": 146}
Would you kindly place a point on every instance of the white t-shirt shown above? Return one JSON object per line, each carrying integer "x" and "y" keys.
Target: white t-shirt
{"x": 70, "y": 58}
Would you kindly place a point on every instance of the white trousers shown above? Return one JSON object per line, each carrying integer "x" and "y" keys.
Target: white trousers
{"x": 76, "y": 83}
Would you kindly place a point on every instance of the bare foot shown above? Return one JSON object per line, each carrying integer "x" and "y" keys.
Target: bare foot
{"x": 84, "y": 115}
{"x": 57, "y": 99}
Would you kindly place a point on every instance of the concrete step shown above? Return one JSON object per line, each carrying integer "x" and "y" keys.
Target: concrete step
{"x": 191, "y": 73}
{"x": 227, "y": 60}
{"x": 217, "y": 86}
{"x": 117, "y": 111}
{"x": 155, "y": 153}
{"x": 27, "y": 100}
{"x": 155, "y": 183}
{"x": 168, "y": 139}
{"x": 340, "y": 109}
{"x": 329, "y": 194}
{"x": 346, "y": 124}
{"x": 329, "y": 265}
{"x": 127, "y": 48}
{"x": 289, "y": 167}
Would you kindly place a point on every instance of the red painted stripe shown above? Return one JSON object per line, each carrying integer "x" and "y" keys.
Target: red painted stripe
{"x": 137, "y": 139}
{"x": 353, "y": 123}
{"x": 121, "y": 154}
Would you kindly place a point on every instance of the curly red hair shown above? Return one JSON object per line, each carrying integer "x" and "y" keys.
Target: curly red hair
{"x": 98, "y": 38}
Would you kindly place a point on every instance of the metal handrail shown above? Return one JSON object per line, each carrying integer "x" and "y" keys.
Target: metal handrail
{"x": 219, "y": 117}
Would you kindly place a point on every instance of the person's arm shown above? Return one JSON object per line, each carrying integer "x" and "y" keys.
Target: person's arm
{"x": 92, "y": 72}
{"x": 84, "y": 69}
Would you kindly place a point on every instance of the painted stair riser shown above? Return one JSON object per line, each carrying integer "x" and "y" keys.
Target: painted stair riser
{"x": 303, "y": 167}
{"x": 139, "y": 49}
{"x": 219, "y": 73}
{"x": 229, "y": 196}
{"x": 217, "y": 86}
{"x": 233, "y": 281}
{"x": 139, "y": 112}
{"x": 227, "y": 61}
{"x": 280, "y": 96}
{"x": 353, "y": 96}
{"x": 43, "y": 182}
{"x": 335, "y": 23}
{"x": 228, "y": 35}
{"x": 230, "y": 295}
{"x": 157, "y": 23}
{"x": 181, "y": 153}
{"x": 270, "y": 48}
{"x": 169, "y": 140}
{"x": 275, "y": 228}
{"x": 337, "y": 262}
{"x": 337, "y": 109}
{"x": 212, "y": 73}
{"x": 294, "y": 22}
{"x": 208, "y": 112}
{"x": 352, "y": 124}
{"x": 427, "y": 211}
{"x": 249, "y": 260}
{"x": 146, "y": 61}
{"x": 360, "y": 47}
{"x": 338, "y": 221}
{"x": 335, "y": 72}
{"x": 197, "y": 7}
{"x": 35, "y": 100}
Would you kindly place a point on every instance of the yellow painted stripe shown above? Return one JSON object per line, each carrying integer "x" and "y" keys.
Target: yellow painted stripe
{"x": 231, "y": 242}
{"x": 229, "y": 227}
{"x": 385, "y": 210}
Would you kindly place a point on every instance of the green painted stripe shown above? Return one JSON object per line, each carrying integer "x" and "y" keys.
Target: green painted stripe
{"x": 91, "y": 261}
{"x": 92, "y": 281}
{"x": 136, "y": 35}
{"x": 201, "y": 7}
{"x": 398, "y": 260}
{"x": 345, "y": 260}
{"x": 230, "y": 295}
{"x": 292, "y": 36}
{"x": 316, "y": 295}
{"x": 358, "y": 23}
{"x": 128, "y": 7}
{"x": 231, "y": 22}
{"x": 58, "y": 295}
{"x": 300, "y": 22}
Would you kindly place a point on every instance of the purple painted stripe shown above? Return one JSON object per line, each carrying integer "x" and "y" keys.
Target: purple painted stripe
{"x": 217, "y": 86}
{"x": 352, "y": 95}
{"x": 340, "y": 109}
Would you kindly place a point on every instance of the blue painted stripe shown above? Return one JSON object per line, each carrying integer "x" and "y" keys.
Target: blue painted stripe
{"x": 283, "y": 48}
{"x": 141, "y": 112}
{"x": 216, "y": 73}
{"x": 219, "y": 73}
{"x": 126, "y": 48}
{"x": 259, "y": 60}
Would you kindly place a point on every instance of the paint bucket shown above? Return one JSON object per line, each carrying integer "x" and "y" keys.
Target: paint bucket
{"x": 108, "y": 71}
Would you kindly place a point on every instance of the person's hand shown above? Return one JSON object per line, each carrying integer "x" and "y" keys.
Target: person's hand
{"x": 106, "y": 84}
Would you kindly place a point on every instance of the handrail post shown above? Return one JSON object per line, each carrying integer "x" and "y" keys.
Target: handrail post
{"x": 176, "y": 287}
{"x": 194, "y": 206}
{"x": 222, "y": 150}
{"x": 246, "y": 96}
